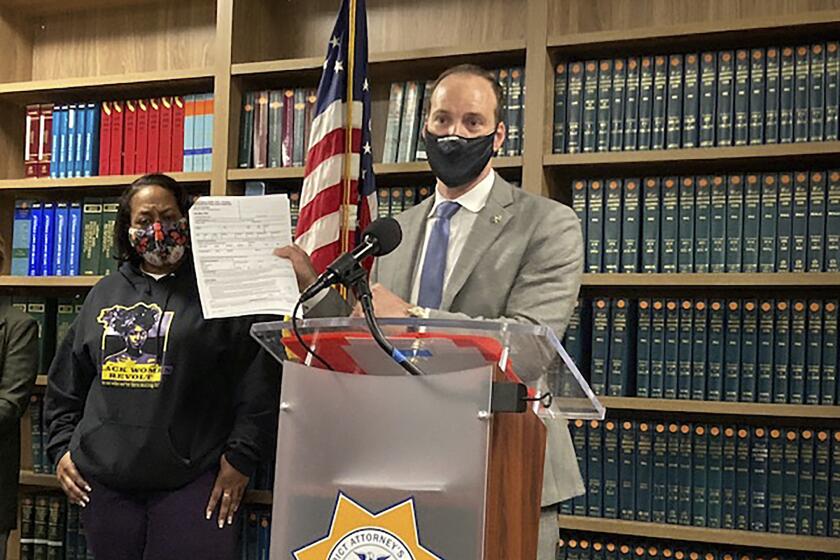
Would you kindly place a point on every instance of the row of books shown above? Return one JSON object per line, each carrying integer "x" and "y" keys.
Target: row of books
{"x": 66, "y": 238}
{"x": 259, "y": 188}
{"x": 255, "y": 536}
{"x": 392, "y": 201}
{"x": 779, "y": 351}
{"x": 723, "y": 98}
{"x": 576, "y": 545}
{"x": 407, "y": 112}
{"x": 51, "y": 528}
{"x": 275, "y": 127}
{"x": 54, "y": 317}
{"x": 128, "y": 137}
{"x": 752, "y": 478}
{"x": 785, "y": 222}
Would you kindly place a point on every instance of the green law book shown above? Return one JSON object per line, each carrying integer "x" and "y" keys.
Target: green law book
{"x": 771, "y": 97}
{"x": 784, "y": 222}
{"x": 702, "y": 224}
{"x": 659, "y": 476}
{"x": 672, "y": 334}
{"x": 628, "y": 458}
{"x": 734, "y": 223}
{"x": 685, "y": 343}
{"x": 604, "y": 107}
{"x": 799, "y": 225}
{"x": 574, "y": 109}
{"x": 816, "y": 223}
{"x": 670, "y": 224}
{"x": 246, "y": 131}
{"x": 717, "y": 225}
{"x": 674, "y": 492}
{"x": 828, "y": 394}
{"x": 644, "y": 471}
{"x": 700, "y": 472}
{"x": 822, "y": 478}
{"x": 657, "y": 350}
{"x": 790, "y": 483}
{"x": 600, "y": 345}
{"x": 91, "y": 236}
{"x": 643, "y": 344}
{"x": 714, "y": 477}
{"x": 732, "y": 352}
{"x": 612, "y": 226}
{"x": 741, "y": 100}
{"x": 558, "y": 140}
{"x": 749, "y": 351}
{"x": 611, "y": 459}
{"x": 766, "y": 346}
{"x": 806, "y": 483}
{"x": 727, "y": 492}
{"x": 742, "y": 480}
{"x": 619, "y": 81}
{"x": 631, "y": 225}
{"x": 699, "y": 350}
{"x": 43, "y": 310}
{"x": 595, "y": 469}
{"x": 775, "y": 479}
{"x": 813, "y": 352}
{"x": 108, "y": 260}
{"x": 798, "y": 347}
{"x": 686, "y": 244}
{"x": 758, "y": 480}
{"x": 577, "y": 431}
{"x": 768, "y": 223}
{"x": 41, "y": 526}
{"x": 752, "y": 217}
{"x": 834, "y": 512}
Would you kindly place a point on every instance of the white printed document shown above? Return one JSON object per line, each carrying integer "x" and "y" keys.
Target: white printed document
{"x": 233, "y": 238}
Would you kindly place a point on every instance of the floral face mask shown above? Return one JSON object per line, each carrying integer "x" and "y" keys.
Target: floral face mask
{"x": 161, "y": 243}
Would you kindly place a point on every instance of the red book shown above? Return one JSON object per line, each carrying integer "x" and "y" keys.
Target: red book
{"x": 288, "y": 127}
{"x": 165, "y": 143}
{"x": 178, "y": 114}
{"x": 153, "y": 149}
{"x": 141, "y": 155}
{"x": 117, "y": 139}
{"x": 130, "y": 138}
{"x": 32, "y": 142}
{"x": 45, "y": 146}
{"x": 105, "y": 139}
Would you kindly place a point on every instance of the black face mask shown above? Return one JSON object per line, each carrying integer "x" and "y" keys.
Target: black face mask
{"x": 456, "y": 160}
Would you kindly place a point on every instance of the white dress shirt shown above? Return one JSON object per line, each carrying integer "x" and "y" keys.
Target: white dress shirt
{"x": 472, "y": 202}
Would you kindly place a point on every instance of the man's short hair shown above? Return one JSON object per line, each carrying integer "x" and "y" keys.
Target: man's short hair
{"x": 472, "y": 70}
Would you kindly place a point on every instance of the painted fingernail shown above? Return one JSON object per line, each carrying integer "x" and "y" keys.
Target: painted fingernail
{"x": 221, "y": 523}
{"x": 86, "y": 499}
{"x": 82, "y": 504}
{"x": 208, "y": 514}
{"x": 230, "y": 520}
{"x": 88, "y": 488}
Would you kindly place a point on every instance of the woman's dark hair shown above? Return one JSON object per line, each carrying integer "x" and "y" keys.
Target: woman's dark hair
{"x": 122, "y": 247}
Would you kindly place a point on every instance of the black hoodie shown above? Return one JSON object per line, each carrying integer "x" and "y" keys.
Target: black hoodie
{"x": 147, "y": 394}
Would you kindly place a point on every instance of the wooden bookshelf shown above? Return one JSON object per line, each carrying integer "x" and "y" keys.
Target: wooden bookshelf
{"x": 720, "y": 408}
{"x": 48, "y": 281}
{"x": 89, "y": 182}
{"x": 41, "y": 381}
{"x": 700, "y": 534}
{"x": 714, "y": 280}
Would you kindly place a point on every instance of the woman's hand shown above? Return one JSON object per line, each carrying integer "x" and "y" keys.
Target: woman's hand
{"x": 230, "y": 488}
{"x": 72, "y": 482}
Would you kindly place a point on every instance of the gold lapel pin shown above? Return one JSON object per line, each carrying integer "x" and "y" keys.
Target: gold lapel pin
{"x": 496, "y": 219}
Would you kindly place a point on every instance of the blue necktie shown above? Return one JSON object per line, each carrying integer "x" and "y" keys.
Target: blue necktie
{"x": 434, "y": 264}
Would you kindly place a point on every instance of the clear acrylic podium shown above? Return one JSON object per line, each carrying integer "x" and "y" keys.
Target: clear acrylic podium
{"x": 372, "y": 434}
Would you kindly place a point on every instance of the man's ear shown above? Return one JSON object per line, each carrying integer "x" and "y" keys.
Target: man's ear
{"x": 499, "y": 137}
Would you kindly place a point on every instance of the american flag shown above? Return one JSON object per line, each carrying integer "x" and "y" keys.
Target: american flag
{"x": 324, "y": 196}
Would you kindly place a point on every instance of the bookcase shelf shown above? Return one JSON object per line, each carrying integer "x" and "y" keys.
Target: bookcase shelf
{"x": 713, "y": 280}
{"x": 810, "y": 412}
{"x": 88, "y": 182}
{"x": 41, "y": 381}
{"x": 48, "y": 281}
{"x": 266, "y": 174}
{"x": 700, "y": 534}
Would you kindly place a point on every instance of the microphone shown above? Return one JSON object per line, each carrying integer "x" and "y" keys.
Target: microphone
{"x": 380, "y": 238}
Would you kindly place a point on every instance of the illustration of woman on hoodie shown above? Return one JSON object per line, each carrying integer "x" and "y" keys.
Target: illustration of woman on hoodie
{"x": 134, "y": 325}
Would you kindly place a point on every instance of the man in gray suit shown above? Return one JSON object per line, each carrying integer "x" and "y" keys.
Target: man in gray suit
{"x": 479, "y": 248}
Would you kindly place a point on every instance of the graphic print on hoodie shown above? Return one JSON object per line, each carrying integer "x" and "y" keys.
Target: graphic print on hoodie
{"x": 134, "y": 342}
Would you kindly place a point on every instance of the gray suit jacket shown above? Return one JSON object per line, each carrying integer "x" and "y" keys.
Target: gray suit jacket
{"x": 522, "y": 262}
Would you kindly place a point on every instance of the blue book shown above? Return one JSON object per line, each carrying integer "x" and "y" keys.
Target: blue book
{"x": 741, "y": 100}
{"x": 685, "y": 343}
{"x": 595, "y": 469}
{"x": 816, "y": 89}
{"x": 702, "y": 225}
{"x": 643, "y": 344}
{"x": 732, "y": 352}
{"x": 728, "y": 485}
{"x": 758, "y": 480}
{"x": 644, "y": 471}
{"x": 659, "y": 475}
{"x": 74, "y": 240}
{"x": 207, "y": 144}
{"x": 799, "y": 224}
{"x": 595, "y": 227}
{"x": 752, "y": 219}
{"x": 47, "y": 238}
{"x": 832, "y": 223}
{"x": 714, "y": 477}
{"x": 684, "y": 511}
{"x": 832, "y": 89}
{"x": 734, "y": 223}
{"x": 611, "y": 469}
{"x": 264, "y": 536}
{"x": 21, "y": 237}
{"x": 91, "y": 156}
{"x": 828, "y": 394}
{"x": 771, "y": 96}
{"x": 790, "y": 483}
{"x": 69, "y": 159}
{"x": 631, "y": 225}
{"x": 758, "y": 90}
{"x": 619, "y": 80}
{"x": 672, "y": 511}
{"x": 657, "y": 350}
{"x": 691, "y": 102}
{"x": 81, "y": 133}
{"x": 56, "y": 135}
{"x": 786, "y": 93}
{"x": 670, "y": 224}
{"x": 685, "y": 228}
{"x": 742, "y": 480}
{"x": 813, "y": 352}
{"x": 822, "y": 482}
{"x": 749, "y": 351}
{"x": 708, "y": 99}
{"x": 801, "y": 114}
{"x": 612, "y": 227}
{"x": 621, "y": 350}
{"x": 60, "y": 149}
{"x": 796, "y": 382}
{"x": 766, "y": 347}
{"x": 651, "y": 225}
{"x": 660, "y": 102}
{"x": 805, "y": 515}
{"x": 36, "y": 240}
{"x": 768, "y": 234}
{"x": 784, "y": 223}
{"x": 816, "y": 223}
{"x": 577, "y": 431}
{"x": 699, "y": 350}
{"x": 604, "y": 107}
{"x": 725, "y": 93}
{"x": 834, "y": 511}
{"x": 672, "y": 335}
{"x": 600, "y": 345}
{"x": 676, "y": 98}
{"x": 699, "y": 476}
{"x": 716, "y": 352}
{"x": 631, "y": 105}
{"x": 717, "y": 225}
{"x": 60, "y": 241}
{"x": 775, "y": 479}
{"x": 781, "y": 355}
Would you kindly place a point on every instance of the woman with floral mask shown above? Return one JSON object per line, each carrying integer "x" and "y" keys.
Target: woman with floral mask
{"x": 157, "y": 417}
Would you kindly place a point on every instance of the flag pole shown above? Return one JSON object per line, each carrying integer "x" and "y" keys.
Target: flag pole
{"x": 348, "y": 130}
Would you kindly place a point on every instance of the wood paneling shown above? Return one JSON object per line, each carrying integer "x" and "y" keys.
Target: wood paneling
{"x": 16, "y": 45}
{"x": 267, "y": 29}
